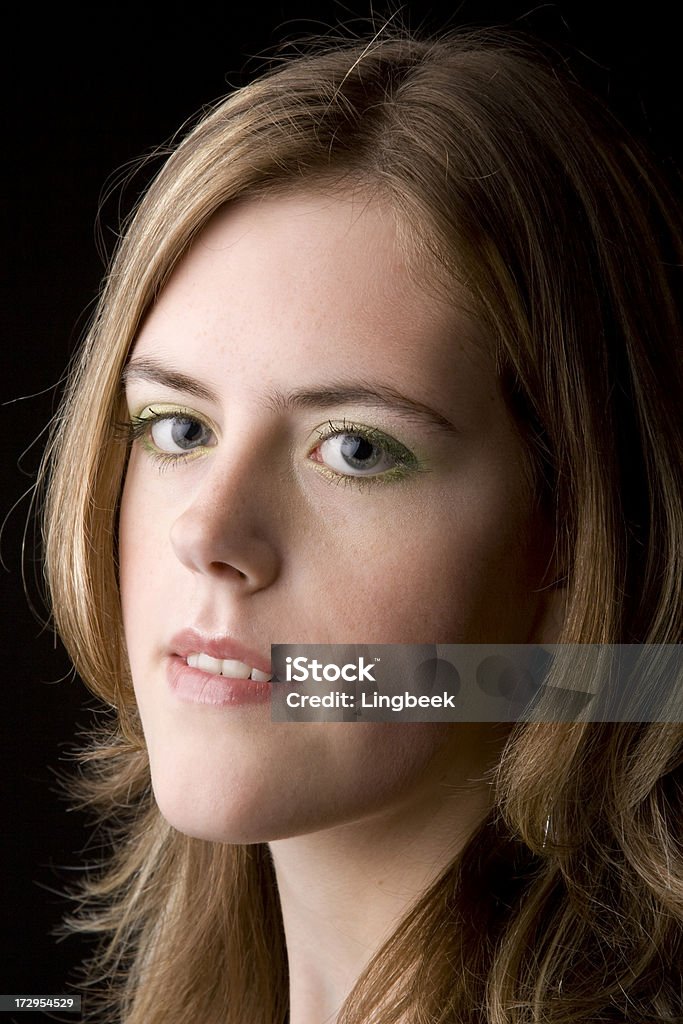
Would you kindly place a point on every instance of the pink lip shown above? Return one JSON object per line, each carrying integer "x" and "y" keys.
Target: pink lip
{"x": 195, "y": 686}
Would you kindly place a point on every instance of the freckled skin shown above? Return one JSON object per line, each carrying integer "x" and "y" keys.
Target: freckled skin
{"x": 256, "y": 536}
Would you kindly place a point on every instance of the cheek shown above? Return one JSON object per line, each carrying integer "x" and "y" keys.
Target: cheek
{"x": 142, "y": 529}
{"x": 455, "y": 572}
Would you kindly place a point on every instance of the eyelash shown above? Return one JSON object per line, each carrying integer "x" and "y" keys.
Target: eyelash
{"x": 139, "y": 429}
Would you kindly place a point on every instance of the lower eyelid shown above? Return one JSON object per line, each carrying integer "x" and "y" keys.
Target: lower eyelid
{"x": 394, "y": 476}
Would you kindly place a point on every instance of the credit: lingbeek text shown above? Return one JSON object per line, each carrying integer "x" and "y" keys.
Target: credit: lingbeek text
{"x": 393, "y": 702}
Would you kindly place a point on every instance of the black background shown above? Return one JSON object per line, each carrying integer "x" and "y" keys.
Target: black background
{"x": 86, "y": 92}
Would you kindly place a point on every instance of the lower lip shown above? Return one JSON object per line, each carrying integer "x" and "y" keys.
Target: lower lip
{"x": 197, "y": 687}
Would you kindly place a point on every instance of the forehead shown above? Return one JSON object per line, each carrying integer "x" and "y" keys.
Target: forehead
{"x": 287, "y": 284}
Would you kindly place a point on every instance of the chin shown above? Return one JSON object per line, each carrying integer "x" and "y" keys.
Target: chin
{"x": 240, "y": 817}
{"x": 195, "y": 821}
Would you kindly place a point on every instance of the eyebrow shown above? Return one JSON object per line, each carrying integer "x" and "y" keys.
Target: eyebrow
{"x": 325, "y": 396}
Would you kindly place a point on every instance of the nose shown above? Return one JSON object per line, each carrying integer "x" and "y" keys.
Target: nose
{"x": 226, "y": 531}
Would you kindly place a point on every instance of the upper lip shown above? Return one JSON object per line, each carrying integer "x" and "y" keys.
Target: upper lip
{"x": 220, "y": 646}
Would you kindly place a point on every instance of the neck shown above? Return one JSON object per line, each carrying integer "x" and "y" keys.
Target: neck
{"x": 345, "y": 889}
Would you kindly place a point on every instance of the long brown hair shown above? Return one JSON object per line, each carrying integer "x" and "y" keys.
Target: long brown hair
{"x": 506, "y": 178}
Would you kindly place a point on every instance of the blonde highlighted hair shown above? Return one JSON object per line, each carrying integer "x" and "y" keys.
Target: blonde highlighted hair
{"x": 505, "y": 178}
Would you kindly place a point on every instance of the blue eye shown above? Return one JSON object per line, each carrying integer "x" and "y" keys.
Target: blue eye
{"x": 353, "y": 451}
{"x": 170, "y": 435}
{"x": 355, "y": 455}
{"x": 175, "y": 434}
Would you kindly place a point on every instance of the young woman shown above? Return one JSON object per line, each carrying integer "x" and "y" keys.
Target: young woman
{"x": 389, "y": 353}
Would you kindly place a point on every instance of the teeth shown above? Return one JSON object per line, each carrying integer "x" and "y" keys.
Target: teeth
{"x": 227, "y": 667}
{"x": 208, "y": 664}
{"x": 235, "y": 669}
{"x": 261, "y": 677}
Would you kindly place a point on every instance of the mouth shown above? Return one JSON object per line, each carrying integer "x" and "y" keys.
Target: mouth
{"x": 217, "y": 669}
{"x": 228, "y": 667}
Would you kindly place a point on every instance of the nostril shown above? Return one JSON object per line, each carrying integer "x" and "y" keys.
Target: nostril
{"x": 225, "y": 568}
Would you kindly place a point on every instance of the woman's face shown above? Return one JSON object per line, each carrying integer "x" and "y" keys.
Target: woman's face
{"x": 322, "y": 455}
